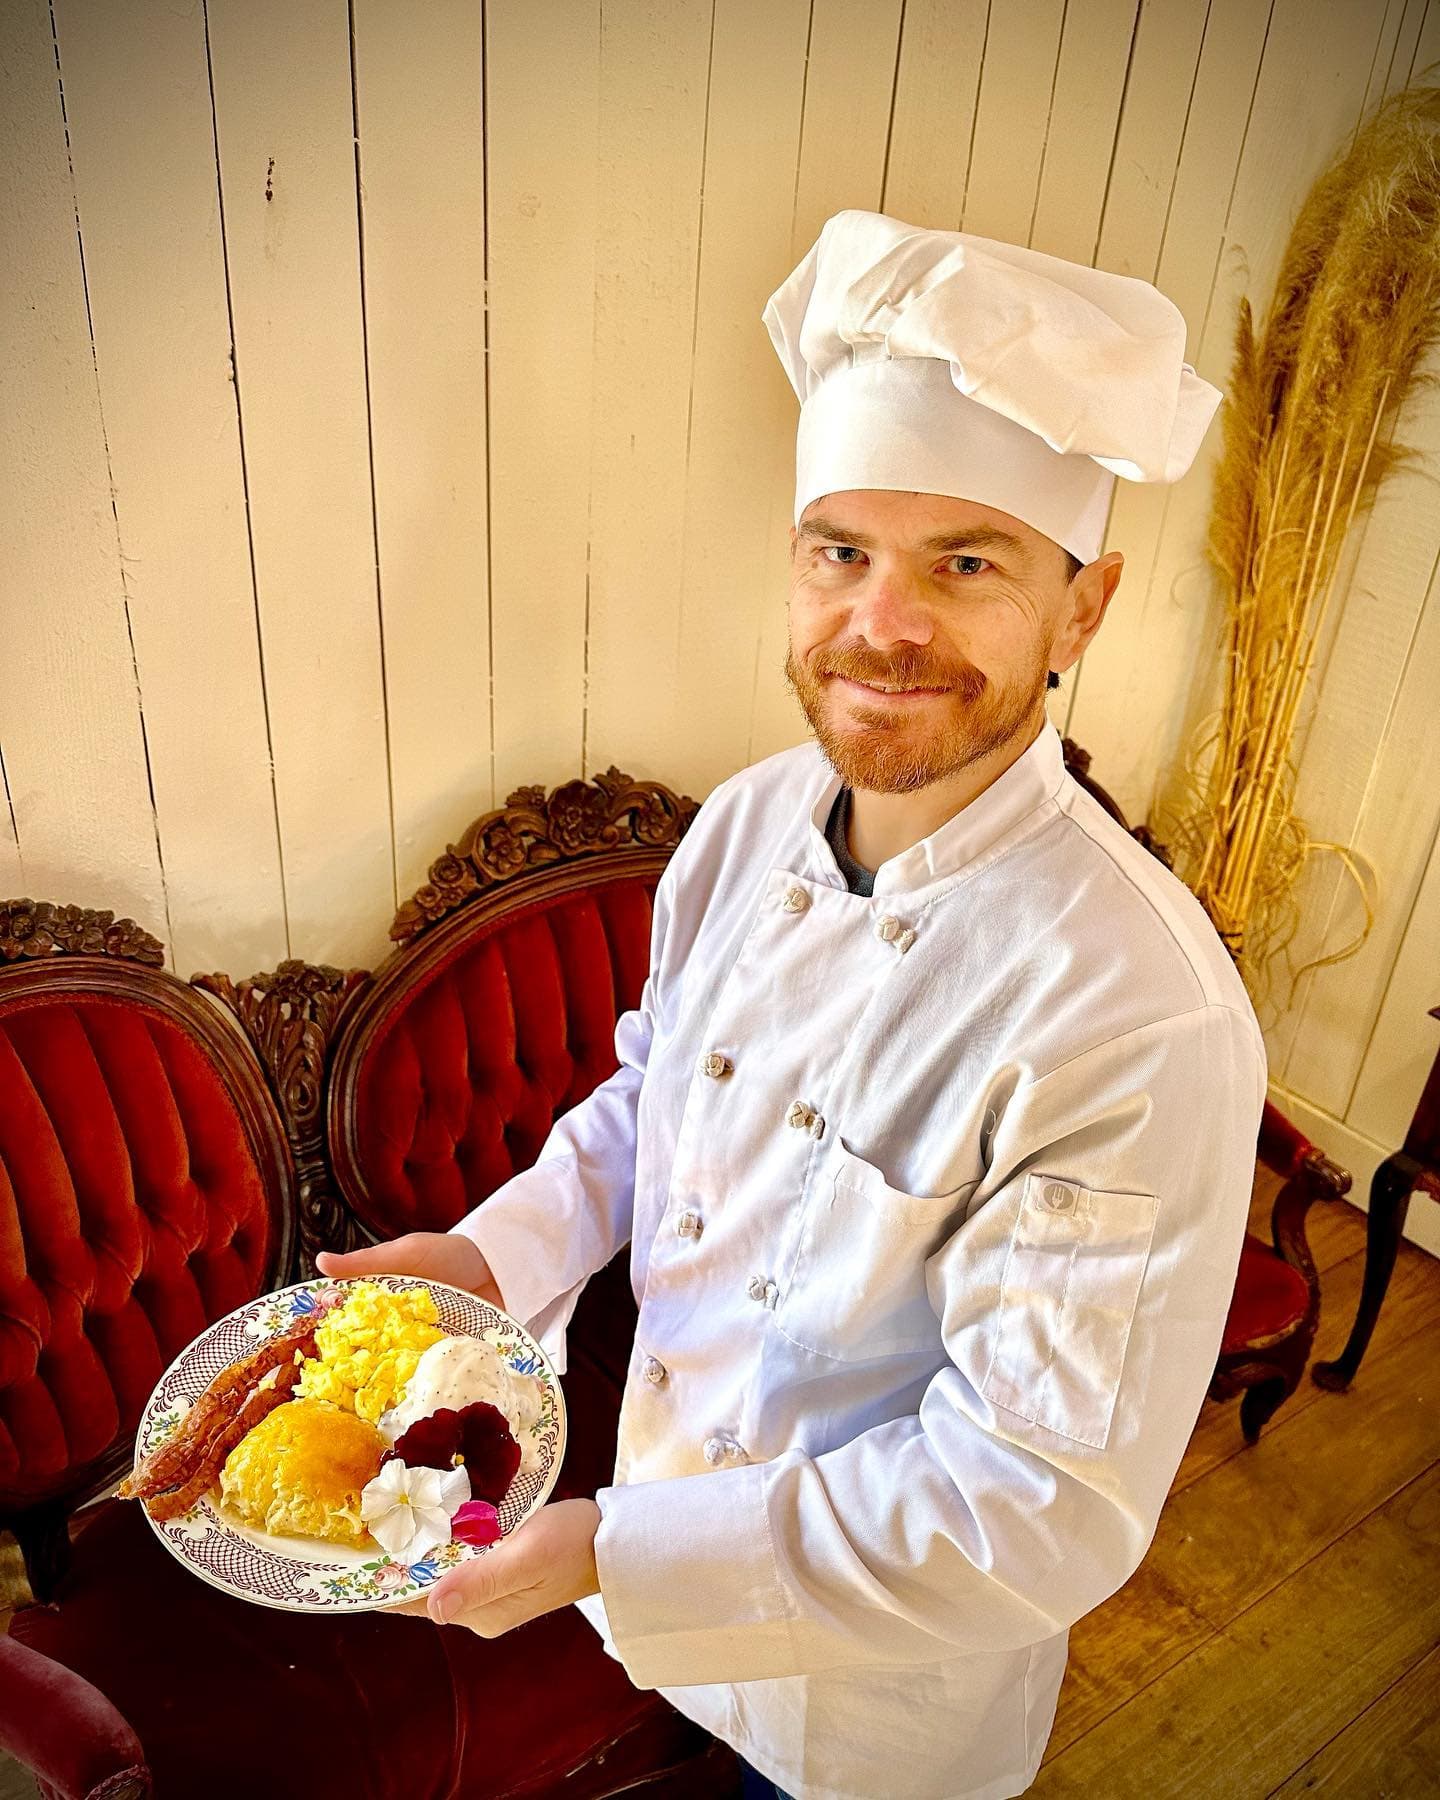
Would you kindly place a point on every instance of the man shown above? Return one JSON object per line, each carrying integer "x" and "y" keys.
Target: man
{"x": 934, "y": 1130}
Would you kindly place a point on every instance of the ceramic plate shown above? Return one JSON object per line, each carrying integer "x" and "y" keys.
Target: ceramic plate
{"x": 308, "y": 1574}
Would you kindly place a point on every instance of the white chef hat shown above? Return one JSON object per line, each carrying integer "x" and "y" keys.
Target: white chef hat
{"x": 940, "y": 363}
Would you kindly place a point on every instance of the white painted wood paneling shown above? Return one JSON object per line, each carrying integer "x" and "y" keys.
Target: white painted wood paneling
{"x": 70, "y": 723}
{"x": 654, "y": 67}
{"x": 138, "y": 95}
{"x": 542, "y": 68}
{"x": 848, "y": 95}
{"x": 1012, "y": 120}
{"x": 739, "y": 473}
{"x": 937, "y": 83}
{"x": 421, "y": 132}
{"x": 1401, "y": 1048}
{"x": 1080, "y": 143}
{"x": 503, "y": 486}
{"x": 285, "y": 122}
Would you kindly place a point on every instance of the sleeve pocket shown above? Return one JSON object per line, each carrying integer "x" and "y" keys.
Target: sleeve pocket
{"x": 1068, "y": 1295}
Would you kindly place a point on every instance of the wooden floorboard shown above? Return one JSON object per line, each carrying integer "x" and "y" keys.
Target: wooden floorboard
{"x": 1282, "y": 1633}
{"x": 1282, "y": 1637}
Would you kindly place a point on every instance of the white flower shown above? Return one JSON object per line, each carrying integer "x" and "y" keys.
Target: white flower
{"x": 408, "y": 1511}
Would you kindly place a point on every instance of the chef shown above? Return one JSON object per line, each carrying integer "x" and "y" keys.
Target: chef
{"x": 934, "y": 1129}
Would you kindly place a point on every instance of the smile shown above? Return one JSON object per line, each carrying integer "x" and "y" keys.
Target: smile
{"x": 874, "y": 690}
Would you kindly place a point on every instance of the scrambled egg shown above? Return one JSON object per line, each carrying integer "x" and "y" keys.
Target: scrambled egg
{"x": 367, "y": 1348}
{"x": 301, "y": 1470}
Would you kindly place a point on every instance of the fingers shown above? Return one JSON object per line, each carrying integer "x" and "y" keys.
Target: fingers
{"x": 473, "y": 1585}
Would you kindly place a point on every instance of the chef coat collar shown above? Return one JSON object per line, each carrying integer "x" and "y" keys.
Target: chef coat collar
{"x": 1032, "y": 779}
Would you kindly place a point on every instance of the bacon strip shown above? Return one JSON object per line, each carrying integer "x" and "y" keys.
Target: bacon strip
{"x": 189, "y": 1461}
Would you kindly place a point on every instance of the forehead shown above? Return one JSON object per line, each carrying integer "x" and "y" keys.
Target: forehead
{"x": 916, "y": 521}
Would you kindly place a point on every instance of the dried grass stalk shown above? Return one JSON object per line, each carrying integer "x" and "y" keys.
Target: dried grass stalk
{"x": 1307, "y": 439}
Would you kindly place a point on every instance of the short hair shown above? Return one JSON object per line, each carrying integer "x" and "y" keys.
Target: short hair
{"x": 1073, "y": 566}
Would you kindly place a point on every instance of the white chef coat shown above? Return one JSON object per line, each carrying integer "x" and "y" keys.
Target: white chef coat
{"x": 935, "y": 1201}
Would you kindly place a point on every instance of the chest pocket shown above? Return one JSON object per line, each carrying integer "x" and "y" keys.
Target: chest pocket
{"x": 856, "y": 1289}
{"x": 1067, "y": 1301}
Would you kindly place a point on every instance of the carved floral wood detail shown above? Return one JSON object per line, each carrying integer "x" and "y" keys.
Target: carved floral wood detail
{"x": 290, "y": 1016}
{"x": 34, "y": 928}
{"x": 580, "y": 818}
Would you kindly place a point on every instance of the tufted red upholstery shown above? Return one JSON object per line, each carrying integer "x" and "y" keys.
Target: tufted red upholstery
{"x": 1270, "y": 1297}
{"x": 463, "y": 1075}
{"x": 131, "y": 1214}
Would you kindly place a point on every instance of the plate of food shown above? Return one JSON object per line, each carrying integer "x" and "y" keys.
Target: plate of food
{"x": 336, "y": 1446}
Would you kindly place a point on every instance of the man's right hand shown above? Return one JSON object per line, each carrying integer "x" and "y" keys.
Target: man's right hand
{"x": 447, "y": 1256}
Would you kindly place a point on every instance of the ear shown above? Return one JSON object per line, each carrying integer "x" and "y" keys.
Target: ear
{"x": 1086, "y": 600}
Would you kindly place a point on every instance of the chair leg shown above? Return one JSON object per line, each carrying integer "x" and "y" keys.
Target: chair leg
{"x": 1389, "y": 1202}
{"x": 1258, "y": 1403}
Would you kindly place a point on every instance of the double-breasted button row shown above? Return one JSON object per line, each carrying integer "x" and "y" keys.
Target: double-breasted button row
{"x": 689, "y": 1225}
{"x": 716, "y": 1066}
{"x": 805, "y": 1118}
{"x": 653, "y": 1370}
{"x": 717, "y": 1450}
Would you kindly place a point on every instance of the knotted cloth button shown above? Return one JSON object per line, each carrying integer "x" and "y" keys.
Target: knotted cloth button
{"x": 689, "y": 1225}
{"x": 795, "y": 900}
{"x": 713, "y": 1451}
{"x": 715, "y": 1065}
{"x": 905, "y": 940}
{"x": 756, "y": 1289}
{"x": 888, "y": 929}
{"x": 1058, "y": 1197}
{"x": 653, "y": 1370}
{"x": 800, "y": 1115}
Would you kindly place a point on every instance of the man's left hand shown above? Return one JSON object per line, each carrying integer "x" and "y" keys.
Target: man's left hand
{"x": 549, "y": 1562}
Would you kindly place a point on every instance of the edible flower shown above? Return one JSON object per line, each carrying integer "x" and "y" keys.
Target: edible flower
{"x": 477, "y": 1523}
{"x": 408, "y": 1511}
{"x": 477, "y": 1438}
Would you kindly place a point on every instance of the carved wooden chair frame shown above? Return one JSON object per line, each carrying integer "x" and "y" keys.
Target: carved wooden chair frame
{"x": 53, "y": 951}
{"x": 303, "y": 1018}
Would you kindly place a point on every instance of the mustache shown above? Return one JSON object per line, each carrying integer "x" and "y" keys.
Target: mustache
{"x": 909, "y": 666}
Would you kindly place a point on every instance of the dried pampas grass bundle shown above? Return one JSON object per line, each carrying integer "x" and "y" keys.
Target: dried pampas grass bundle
{"x": 1307, "y": 427}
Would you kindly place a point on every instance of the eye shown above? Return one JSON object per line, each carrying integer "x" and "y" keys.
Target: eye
{"x": 977, "y": 563}
{"x": 844, "y": 555}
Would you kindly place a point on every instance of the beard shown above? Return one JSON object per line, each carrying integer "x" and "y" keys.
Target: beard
{"x": 892, "y": 752}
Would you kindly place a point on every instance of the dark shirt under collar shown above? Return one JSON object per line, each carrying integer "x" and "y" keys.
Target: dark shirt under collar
{"x": 837, "y": 826}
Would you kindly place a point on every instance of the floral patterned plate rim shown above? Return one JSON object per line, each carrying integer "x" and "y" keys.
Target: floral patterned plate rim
{"x": 310, "y": 1575}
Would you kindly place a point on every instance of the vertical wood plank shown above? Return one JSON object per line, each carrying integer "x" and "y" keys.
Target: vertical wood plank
{"x": 1373, "y": 724}
{"x": 740, "y": 473}
{"x": 70, "y": 719}
{"x": 422, "y": 170}
{"x": 1017, "y": 88}
{"x": 1401, "y": 1048}
{"x": 138, "y": 101}
{"x": 1080, "y": 146}
{"x": 942, "y": 51}
{"x": 848, "y": 95}
{"x": 285, "y": 122}
{"x": 1312, "y": 80}
{"x": 1407, "y": 43}
{"x": 1426, "y": 64}
{"x": 543, "y": 122}
{"x": 654, "y": 61}
{"x": 1158, "y": 99}
{"x": 12, "y": 874}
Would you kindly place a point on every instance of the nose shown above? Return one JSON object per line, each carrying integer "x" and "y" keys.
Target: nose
{"x": 891, "y": 610}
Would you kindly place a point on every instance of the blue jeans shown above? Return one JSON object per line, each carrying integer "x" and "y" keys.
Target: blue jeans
{"x": 758, "y": 1786}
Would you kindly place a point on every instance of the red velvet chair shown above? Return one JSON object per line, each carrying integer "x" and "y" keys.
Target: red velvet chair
{"x": 1275, "y": 1311}
{"x": 146, "y": 1188}
{"x": 447, "y": 1068}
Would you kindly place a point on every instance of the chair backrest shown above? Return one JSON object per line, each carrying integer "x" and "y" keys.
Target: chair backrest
{"x": 145, "y": 1190}
{"x": 497, "y": 1012}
